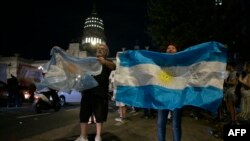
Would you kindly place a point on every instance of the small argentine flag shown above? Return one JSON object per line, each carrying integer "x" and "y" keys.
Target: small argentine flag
{"x": 194, "y": 76}
{"x": 65, "y": 72}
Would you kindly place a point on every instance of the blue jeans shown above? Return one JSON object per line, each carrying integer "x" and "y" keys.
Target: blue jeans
{"x": 176, "y": 124}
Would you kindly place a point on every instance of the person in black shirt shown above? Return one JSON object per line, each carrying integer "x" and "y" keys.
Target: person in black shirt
{"x": 95, "y": 100}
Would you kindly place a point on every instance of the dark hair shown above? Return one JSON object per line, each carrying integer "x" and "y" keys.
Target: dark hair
{"x": 174, "y": 44}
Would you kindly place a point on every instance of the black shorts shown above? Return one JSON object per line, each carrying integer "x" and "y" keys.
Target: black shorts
{"x": 93, "y": 104}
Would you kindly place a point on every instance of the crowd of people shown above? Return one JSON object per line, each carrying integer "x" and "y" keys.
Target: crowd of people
{"x": 235, "y": 104}
{"x": 237, "y": 93}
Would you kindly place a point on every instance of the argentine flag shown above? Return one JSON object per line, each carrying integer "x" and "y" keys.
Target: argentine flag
{"x": 65, "y": 72}
{"x": 194, "y": 76}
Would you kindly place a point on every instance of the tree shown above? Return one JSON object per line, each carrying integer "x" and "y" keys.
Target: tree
{"x": 190, "y": 22}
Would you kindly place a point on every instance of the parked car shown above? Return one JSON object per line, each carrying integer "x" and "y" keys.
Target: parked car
{"x": 72, "y": 97}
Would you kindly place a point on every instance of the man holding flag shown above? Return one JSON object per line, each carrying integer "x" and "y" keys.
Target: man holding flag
{"x": 90, "y": 76}
{"x": 95, "y": 100}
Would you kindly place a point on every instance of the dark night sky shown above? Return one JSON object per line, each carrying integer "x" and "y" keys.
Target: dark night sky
{"x": 32, "y": 27}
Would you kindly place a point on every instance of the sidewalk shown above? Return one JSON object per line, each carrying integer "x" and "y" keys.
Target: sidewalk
{"x": 134, "y": 129}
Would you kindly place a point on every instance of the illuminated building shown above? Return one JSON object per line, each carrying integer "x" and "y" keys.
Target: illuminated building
{"x": 93, "y": 33}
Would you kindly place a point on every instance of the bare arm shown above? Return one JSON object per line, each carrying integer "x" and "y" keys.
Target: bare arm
{"x": 107, "y": 63}
{"x": 246, "y": 83}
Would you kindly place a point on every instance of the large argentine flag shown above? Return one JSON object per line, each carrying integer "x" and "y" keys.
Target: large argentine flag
{"x": 193, "y": 76}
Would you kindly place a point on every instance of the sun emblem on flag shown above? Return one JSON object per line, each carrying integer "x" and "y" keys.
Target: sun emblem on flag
{"x": 164, "y": 76}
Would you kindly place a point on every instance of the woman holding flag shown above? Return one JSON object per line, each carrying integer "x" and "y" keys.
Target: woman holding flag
{"x": 163, "y": 114}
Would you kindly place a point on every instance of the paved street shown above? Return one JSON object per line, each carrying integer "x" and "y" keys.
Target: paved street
{"x": 134, "y": 129}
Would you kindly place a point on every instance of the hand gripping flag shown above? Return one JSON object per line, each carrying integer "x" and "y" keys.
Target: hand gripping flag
{"x": 64, "y": 72}
{"x": 156, "y": 80}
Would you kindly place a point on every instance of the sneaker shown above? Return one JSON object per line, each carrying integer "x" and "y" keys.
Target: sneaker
{"x": 119, "y": 119}
{"x": 98, "y": 138}
{"x": 81, "y": 139}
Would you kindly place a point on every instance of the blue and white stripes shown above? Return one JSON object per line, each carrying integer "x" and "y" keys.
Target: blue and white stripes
{"x": 194, "y": 76}
{"x": 65, "y": 72}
